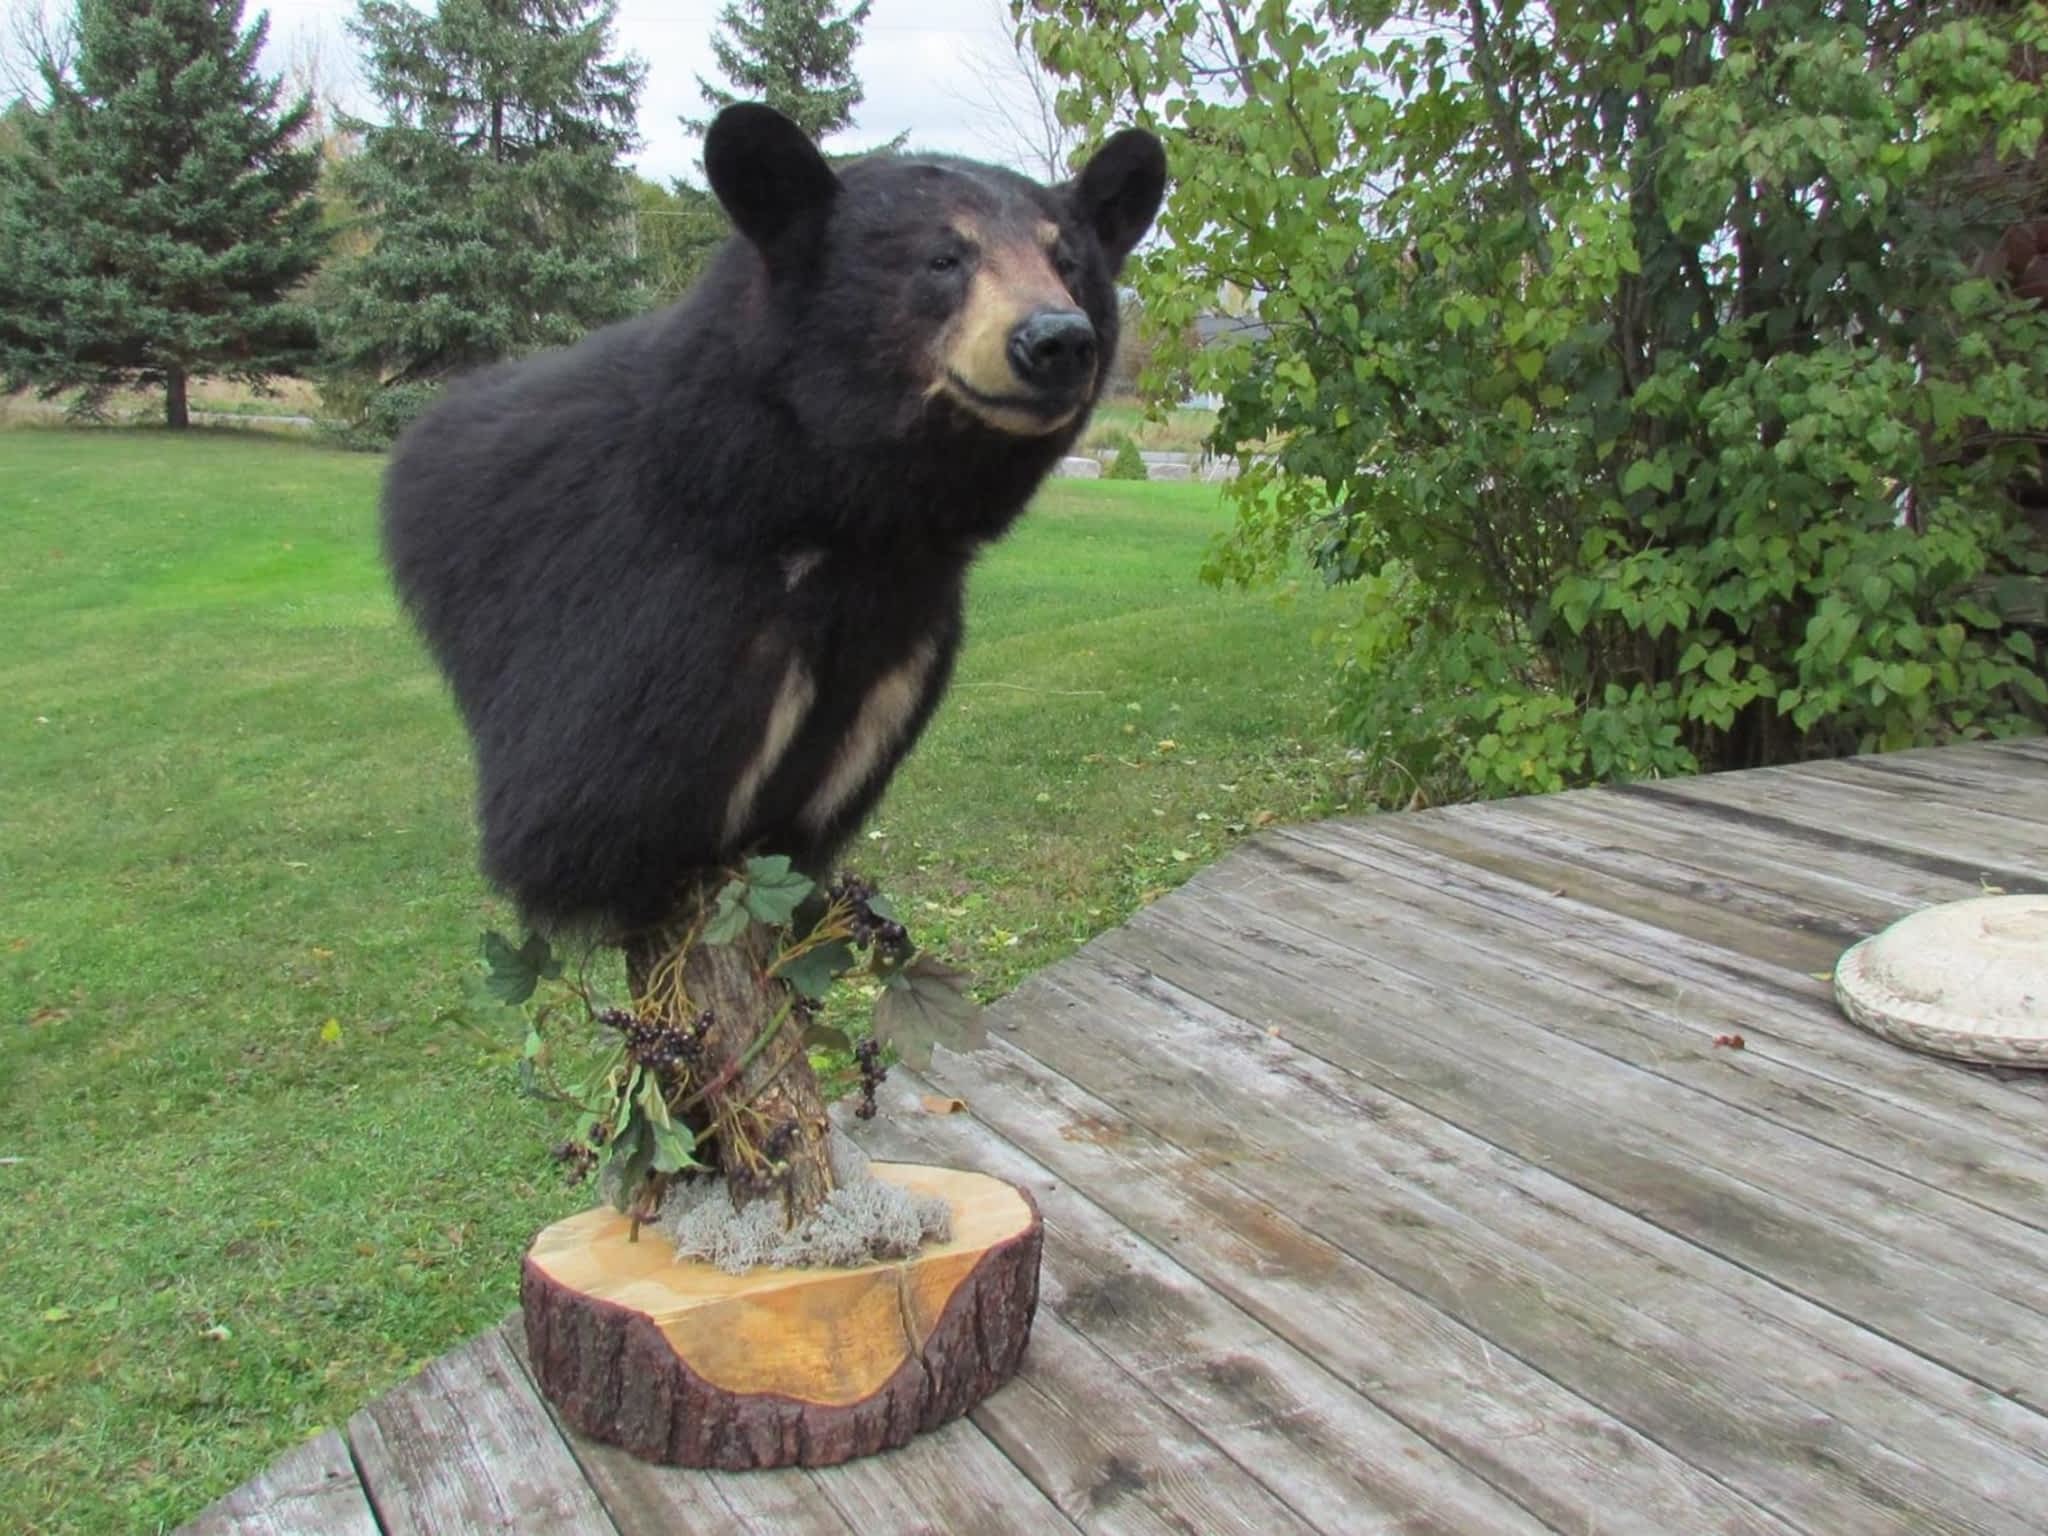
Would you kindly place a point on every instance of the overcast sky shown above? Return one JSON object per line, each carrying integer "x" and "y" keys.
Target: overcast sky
{"x": 915, "y": 63}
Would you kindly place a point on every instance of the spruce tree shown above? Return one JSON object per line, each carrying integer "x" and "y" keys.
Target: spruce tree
{"x": 795, "y": 55}
{"x": 158, "y": 218}
{"x": 499, "y": 216}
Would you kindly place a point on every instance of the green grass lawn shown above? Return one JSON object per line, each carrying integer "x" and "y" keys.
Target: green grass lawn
{"x": 250, "y": 1180}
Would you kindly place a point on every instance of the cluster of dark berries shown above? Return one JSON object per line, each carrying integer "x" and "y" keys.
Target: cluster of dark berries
{"x": 663, "y": 1046}
{"x": 577, "y": 1159}
{"x": 868, "y": 1053}
{"x": 868, "y": 926}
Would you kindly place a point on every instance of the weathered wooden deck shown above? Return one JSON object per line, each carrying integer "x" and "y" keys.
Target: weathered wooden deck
{"x": 1393, "y": 1181}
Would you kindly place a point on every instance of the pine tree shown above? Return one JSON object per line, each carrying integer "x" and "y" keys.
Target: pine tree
{"x": 502, "y": 220}
{"x": 159, "y": 218}
{"x": 795, "y": 55}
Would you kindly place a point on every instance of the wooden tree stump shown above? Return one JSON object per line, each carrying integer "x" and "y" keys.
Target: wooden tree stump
{"x": 681, "y": 1363}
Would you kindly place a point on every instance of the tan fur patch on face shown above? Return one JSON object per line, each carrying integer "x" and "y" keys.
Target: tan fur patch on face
{"x": 793, "y": 701}
{"x": 1013, "y": 280}
{"x": 884, "y": 714}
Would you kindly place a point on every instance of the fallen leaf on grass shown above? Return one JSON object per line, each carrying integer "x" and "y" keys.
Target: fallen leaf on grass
{"x": 934, "y": 1104}
{"x": 330, "y": 1032}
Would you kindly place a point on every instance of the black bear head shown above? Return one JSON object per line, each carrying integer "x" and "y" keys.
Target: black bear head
{"x": 926, "y": 291}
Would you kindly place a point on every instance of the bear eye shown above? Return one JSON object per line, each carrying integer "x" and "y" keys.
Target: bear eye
{"x": 1065, "y": 265}
{"x": 945, "y": 263}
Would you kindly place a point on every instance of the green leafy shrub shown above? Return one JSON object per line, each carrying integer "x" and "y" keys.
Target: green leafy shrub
{"x": 360, "y": 414}
{"x": 1672, "y": 424}
{"x": 1129, "y": 463}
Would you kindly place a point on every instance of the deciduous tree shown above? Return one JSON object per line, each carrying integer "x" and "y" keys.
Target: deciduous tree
{"x": 1639, "y": 359}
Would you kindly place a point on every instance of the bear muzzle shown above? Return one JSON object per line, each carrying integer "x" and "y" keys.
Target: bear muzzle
{"x": 1053, "y": 353}
{"x": 1025, "y": 377}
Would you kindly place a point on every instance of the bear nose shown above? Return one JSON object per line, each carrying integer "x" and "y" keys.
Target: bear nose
{"x": 1054, "y": 349}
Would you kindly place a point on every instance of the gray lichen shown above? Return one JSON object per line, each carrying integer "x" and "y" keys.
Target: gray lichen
{"x": 863, "y": 1219}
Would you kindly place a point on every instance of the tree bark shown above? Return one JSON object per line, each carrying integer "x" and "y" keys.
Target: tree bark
{"x": 176, "y": 415}
{"x": 760, "y": 1114}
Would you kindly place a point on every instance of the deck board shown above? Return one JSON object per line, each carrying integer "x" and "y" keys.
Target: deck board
{"x": 468, "y": 1446}
{"x": 311, "y": 1490}
{"x": 1394, "y": 1182}
{"x": 1343, "y": 1157}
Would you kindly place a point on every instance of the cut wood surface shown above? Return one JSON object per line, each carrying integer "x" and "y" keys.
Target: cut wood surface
{"x": 679, "y": 1362}
{"x": 1401, "y": 1175}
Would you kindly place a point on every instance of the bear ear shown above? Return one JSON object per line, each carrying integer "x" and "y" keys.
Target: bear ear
{"x": 769, "y": 176}
{"x": 1119, "y": 189}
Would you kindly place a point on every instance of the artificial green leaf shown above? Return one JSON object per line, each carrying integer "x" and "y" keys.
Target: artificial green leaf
{"x": 626, "y": 1164}
{"x": 729, "y": 919}
{"x": 514, "y": 974}
{"x": 925, "y": 1004}
{"x": 812, "y": 971}
{"x": 774, "y": 891}
{"x": 825, "y": 1037}
{"x": 675, "y": 1148}
{"x": 652, "y": 1104}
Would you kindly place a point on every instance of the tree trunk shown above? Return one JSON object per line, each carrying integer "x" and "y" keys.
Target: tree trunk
{"x": 761, "y": 1116}
{"x": 176, "y": 416}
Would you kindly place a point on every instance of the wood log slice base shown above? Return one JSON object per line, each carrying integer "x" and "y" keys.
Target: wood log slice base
{"x": 681, "y": 1363}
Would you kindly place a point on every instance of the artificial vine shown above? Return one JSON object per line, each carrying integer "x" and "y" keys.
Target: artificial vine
{"x": 640, "y": 1081}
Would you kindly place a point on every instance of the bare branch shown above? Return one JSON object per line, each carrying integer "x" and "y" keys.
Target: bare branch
{"x": 37, "y": 36}
{"x": 1017, "y": 102}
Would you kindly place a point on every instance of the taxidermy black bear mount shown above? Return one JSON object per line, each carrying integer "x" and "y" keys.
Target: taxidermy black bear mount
{"x": 696, "y": 581}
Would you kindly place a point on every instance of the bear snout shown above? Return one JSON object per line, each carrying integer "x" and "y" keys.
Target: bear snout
{"x": 1053, "y": 351}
